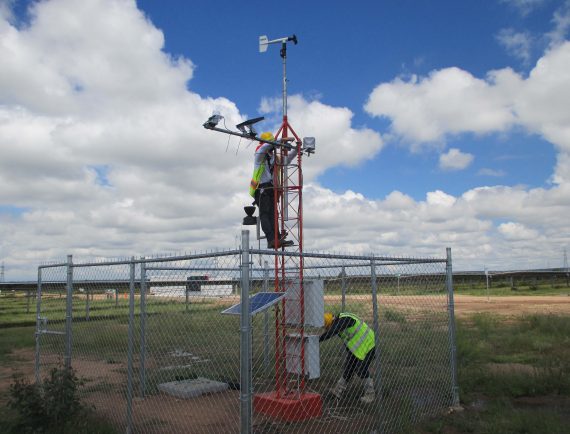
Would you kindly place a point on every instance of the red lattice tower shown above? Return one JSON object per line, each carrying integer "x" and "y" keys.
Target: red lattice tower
{"x": 289, "y": 400}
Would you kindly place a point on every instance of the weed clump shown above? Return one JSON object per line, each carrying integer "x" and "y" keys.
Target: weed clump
{"x": 49, "y": 406}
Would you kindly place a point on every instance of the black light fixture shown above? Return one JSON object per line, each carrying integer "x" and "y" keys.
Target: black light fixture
{"x": 249, "y": 219}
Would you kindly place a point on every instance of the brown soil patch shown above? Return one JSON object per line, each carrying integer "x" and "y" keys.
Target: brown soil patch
{"x": 22, "y": 364}
{"x": 466, "y": 305}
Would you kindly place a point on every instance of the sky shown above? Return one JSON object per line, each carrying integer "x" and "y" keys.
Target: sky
{"x": 437, "y": 124}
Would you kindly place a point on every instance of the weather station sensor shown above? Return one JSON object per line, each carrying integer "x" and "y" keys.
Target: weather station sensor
{"x": 246, "y": 127}
{"x": 249, "y": 219}
{"x": 212, "y": 121}
{"x": 309, "y": 145}
{"x": 297, "y": 357}
{"x": 264, "y": 42}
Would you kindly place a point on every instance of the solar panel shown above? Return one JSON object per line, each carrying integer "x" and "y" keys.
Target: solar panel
{"x": 257, "y": 303}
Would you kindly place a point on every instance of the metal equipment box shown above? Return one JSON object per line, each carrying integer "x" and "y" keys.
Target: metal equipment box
{"x": 312, "y": 355}
{"x": 314, "y": 303}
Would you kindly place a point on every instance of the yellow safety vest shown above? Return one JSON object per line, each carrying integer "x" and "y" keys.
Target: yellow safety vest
{"x": 254, "y": 183}
{"x": 257, "y": 172}
{"x": 359, "y": 338}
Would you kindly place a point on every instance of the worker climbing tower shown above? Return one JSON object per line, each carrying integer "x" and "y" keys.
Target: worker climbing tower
{"x": 290, "y": 400}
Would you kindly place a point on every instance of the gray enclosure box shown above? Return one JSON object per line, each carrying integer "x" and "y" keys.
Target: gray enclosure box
{"x": 314, "y": 303}
{"x": 309, "y": 145}
{"x": 312, "y": 355}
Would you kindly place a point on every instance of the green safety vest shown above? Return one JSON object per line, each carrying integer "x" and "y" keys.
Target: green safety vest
{"x": 254, "y": 183}
{"x": 359, "y": 338}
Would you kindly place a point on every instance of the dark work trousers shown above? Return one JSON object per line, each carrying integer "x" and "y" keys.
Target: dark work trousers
{"x": 266, "y": 212}
{"x": 353, "y": 364}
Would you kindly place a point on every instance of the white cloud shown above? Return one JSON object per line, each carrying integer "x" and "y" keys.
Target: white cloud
{"x": 518, "y": 44}
{"x": 517, "y": 232}
{"x": 439, "y": 198}
{"x": 454, "y": 159}
{"x": 337, "y": 143}
{"x": 451, "y": 101}
{"x": 171, "y": 187}
{"x": 109, "y": 101}
{"x": 400, "y": 225}
{"x": 6, "y": 10}
{"x": 448, "y": 101}
{"x": 424, "y": 111}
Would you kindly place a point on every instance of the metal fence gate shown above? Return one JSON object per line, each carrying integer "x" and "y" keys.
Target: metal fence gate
{"x": 157, "y": 355}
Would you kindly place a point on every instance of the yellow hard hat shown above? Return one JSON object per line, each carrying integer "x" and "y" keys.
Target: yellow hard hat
{"x": 267, "y": 136}
{"x": 329, "y": 317}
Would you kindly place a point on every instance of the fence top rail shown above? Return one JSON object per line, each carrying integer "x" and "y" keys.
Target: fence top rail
{"x": 43, "y": 266}
{"x": 380, "y": 259}
{"x": 192, "y": 269}
{"x": 149, "y": 260}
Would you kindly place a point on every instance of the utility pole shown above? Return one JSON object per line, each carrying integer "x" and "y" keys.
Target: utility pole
{"x": 2, "y": 272}
{"x": 566, "y": 269}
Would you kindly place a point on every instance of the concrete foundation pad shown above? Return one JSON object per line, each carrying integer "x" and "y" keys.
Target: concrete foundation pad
{"x": 192, "y": 388}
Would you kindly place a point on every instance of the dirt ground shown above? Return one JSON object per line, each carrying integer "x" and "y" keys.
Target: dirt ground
{"x": 466, "y": 305}
{"x": 162, "y": 413}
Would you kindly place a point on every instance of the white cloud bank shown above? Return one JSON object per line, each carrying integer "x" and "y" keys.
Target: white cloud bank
{"x": 102, "y": 147}
{"x": 103, "y": 153}
{"x": 429, "y": 110}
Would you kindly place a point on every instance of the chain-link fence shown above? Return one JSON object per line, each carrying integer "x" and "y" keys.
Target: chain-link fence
{"x": 162, "y": 346}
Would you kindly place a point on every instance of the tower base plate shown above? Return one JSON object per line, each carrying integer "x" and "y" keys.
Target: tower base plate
{"x": 289, "y": 408}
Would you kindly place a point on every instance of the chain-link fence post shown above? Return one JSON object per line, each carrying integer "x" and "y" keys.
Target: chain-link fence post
{"x": 265, "y": 288}
{"x": 130, "y": 347}
{"x": 451, "y": 311}
{"x": 376, "y": 325}
{"x": 68, "y": 312}
{"x": 187, "y": 301}
{"x": 38, "y": 325}
{"x": 245, "y": 338}
{"x": 87, "y": 303}
{"x": 343, "y": 287}
{"x": 143, "y": 330}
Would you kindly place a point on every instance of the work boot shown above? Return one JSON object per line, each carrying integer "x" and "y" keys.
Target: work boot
{"x": 339, "y": 388}
{"x": 284, "y": 243}
{"x": 369, "y": 394}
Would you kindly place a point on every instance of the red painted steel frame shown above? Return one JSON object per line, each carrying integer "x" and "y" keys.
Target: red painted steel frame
{"x": 283, "y": 186}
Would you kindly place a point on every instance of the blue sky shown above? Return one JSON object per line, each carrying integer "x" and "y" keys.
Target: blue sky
{"x": 345, "y": 50}
{"x": 438, "y": 124}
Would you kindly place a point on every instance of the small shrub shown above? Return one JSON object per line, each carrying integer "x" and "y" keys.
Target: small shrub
{"x": 49, "y": 406}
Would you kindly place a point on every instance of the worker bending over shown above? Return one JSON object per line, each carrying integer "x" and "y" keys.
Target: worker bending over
{"x": 358, "y": 338}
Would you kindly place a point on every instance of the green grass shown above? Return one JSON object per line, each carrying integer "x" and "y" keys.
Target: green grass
{"x": 501, "y": 289}
{"x": 501, "y": 416}
{"x": 14, "y": 339}
{"x": 501, "y": 361}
